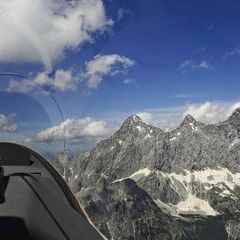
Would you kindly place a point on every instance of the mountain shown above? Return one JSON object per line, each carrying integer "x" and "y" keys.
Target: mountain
{"x": 144, "y": 183}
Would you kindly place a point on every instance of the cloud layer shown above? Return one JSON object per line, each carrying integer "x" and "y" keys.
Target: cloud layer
{"x": 41, "y": 31}
{"x": 206, "y": 112}
{"x": 95, "y": 71}
{"x": 211, "y": 112}
{"x": 91, "y": 130}
{"x": 74, "y": 129}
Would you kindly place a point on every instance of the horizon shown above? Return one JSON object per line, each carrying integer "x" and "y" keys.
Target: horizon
{"x": 152, "y": 124}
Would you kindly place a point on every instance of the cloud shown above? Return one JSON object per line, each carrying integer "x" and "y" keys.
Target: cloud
{"x": 207, "y": 112}
{"x": 128, "y": 81}
{"x": 74, "y": 129}
{"x": 199, "y": 50}
{"x": 88, "y": 131}
{"x": 211, "y": 112}
{"x": 146, "y": 116}
{"x": 189, "y": 65}
{"x": 234, "y": 52}
{"x": 183, "y": 96}
{"x": 105, "y": 65}
{"x": 165, "y": 118}
{"x": 41, "y": 31}
{"x": 122, "y": 12}
{"x": 7, "y": 123}
{"x": 203, "y": 65}
{"x": 63, "y": 80}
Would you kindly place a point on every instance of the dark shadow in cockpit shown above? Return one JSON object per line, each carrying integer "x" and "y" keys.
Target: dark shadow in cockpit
{"x": 3, "y": 187}
{"x": 13, "y": 228}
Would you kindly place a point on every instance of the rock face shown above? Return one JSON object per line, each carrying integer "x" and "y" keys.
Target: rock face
{"x": 131, "y": 208}
{"x": 144, "y": 183}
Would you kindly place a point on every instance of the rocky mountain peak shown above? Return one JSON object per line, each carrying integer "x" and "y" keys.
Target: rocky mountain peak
{"x": 135, "y": 119}
{"x": 189, "y": 120}
{"x": 132, "y": 121}
{"x": 234, "y": 120}
{"x": 235, "y": 115}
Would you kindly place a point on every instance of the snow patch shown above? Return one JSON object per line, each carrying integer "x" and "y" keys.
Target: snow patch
{"x": 119, "y": 180}
{"x": 195, "y": 205}
{"x": 214, "y": 177}
{"x": 234, "y": 142}
{"x": 140, "y": 128}
{"x": 192, "y": 126}
{"x": 135, "y": 118}
{"x": 104, "y": 175}
{"x": 225, "y": 193}
{"x": 144, "y": 172}
{"x": 173, "y": 138}
{"x": 148, "y": 136}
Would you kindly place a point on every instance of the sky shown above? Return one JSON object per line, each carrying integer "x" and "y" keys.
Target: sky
{"x": 86, "y": 65}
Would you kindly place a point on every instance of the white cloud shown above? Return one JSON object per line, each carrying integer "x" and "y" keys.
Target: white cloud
{"x": 206, "y": 112}
{"x": 146, "y": 116}
{"x": 203, "y": 65}
{"x": 234, "y": 52}
{"x": 7, "y": 123}
{"x": 189, "y": 65}
{"x": 122, "y": 12}
{"x": 211, "y": 112}
{"x": 104, "y": 65}
{"x": 85, "y": 130}
{"x": 128, "y": 81}
{"x": 23, "y": 86}
{"x": 63, "y": 80}
{"x": 41, "y": 31}
{"x": 74, "y": 129}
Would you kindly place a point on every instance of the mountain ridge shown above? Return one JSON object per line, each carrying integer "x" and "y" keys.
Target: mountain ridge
{"x": 192, "y": 174}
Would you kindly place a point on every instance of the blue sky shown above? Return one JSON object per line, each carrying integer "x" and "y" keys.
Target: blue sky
{"x": 170, "y": 57}
{"x": 160, "y": 36}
